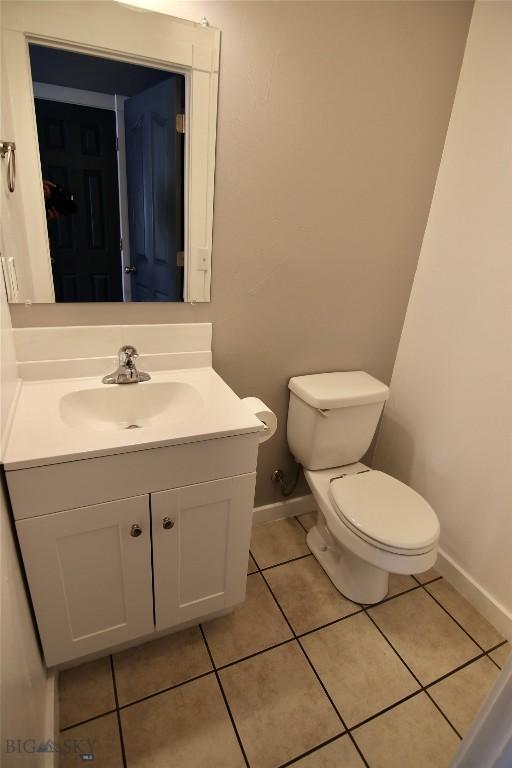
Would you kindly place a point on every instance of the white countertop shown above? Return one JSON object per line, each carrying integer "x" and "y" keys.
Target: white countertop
{"x": 39, "y": 435}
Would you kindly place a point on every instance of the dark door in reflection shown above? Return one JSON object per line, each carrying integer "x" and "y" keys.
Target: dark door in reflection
{"x": 78, "y": 152}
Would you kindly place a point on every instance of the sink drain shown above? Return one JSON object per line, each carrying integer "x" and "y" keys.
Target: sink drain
{"x": 133, "y": 426}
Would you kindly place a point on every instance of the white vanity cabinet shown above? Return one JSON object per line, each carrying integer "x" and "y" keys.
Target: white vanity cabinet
{"x": 89, "y": 576}
{"x": 104, "y": 571}
{"x": 200, "y": 547}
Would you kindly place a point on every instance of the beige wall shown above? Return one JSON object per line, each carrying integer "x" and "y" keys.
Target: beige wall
{"x": 332, "y": 118}
{"x": 447, "y": 428}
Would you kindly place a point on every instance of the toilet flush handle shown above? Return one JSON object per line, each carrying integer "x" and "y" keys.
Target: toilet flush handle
{"x": 323, "y": 412}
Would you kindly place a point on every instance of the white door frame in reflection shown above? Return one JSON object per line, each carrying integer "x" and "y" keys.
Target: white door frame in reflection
{"x": 129, "y": 34}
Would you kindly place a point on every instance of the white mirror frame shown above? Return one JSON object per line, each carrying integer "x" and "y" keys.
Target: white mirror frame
{"x": 130, "y": 34}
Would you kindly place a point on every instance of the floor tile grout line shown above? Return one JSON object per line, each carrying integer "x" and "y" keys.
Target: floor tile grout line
{"x": 488, "y": 655}
{"x": 342, "y": 721}
{"x": 166, "y": 690}
{"x": 422, "y": 687}
{"x": 491, "y": 650}
{"x": 226, "y": 702}
{"x": 303, "y": 651}
{"x": 118, "y": 713}
{"x": 495, "y": 647}
{"x": 436, "y": 705}
{"x": 284, "y": 562}
{"x": 87, "y": 720}
{"x": 454, "y": 671}
{"x": 493, "y": 661}
{"x": 312, "y": 751}
{"x": 394, "y": 705}
{"x": 389, "y": 597}
{"x": 459, "y": 624}
{"x": 230, "y": 664}
{"x": 300, "y": 522}
{"x": 430, "y": 581}
{"x": 328, "y": 624}
{"x": 453, "y": 618}
{"x": 258, "y": 569}
{"x": 347, "y": 729}
{"x": 484, "y": 652}
{"x": 467, "y": 663}
{"x": 149, "y": 696}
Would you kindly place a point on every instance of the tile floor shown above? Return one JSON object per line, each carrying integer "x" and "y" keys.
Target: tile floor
{"x": 297, "y": 675}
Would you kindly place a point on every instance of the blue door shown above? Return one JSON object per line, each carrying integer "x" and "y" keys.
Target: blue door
{"x": 154, "y": 171}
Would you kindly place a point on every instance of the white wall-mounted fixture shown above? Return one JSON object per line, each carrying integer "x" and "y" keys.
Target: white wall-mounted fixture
{"x": 8, "y": 153}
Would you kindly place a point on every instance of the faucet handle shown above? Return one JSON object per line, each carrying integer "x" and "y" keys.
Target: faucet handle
{"x": 127, "y": 355}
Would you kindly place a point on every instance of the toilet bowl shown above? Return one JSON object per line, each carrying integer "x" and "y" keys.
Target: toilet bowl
{"x": 369, "y": 524}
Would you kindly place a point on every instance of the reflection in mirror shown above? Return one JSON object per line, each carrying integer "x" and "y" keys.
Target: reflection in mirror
{"x": 111, "y": 147}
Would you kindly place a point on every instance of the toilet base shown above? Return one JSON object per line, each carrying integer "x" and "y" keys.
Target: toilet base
{"x": 352, "y": 576}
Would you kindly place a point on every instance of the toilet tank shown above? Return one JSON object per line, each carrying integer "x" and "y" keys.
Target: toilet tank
{"x": 332, "y": 417}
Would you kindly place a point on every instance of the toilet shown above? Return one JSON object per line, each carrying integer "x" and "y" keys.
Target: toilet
{"x": 369, "y": 524}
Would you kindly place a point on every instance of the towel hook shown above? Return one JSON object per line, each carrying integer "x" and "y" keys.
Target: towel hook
{"x": 8, "y": 150}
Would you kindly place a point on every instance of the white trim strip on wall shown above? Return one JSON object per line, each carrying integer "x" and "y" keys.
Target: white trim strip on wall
{"x": 286, "y": 508}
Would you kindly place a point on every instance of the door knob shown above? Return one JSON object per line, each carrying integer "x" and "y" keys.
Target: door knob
{"x": 167, "y": 523}
{"x": 135, "y": 530}
{"x": 129, "y": 270}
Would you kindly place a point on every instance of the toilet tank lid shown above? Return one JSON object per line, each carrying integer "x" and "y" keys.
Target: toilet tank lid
{"x": 338, "y": 390}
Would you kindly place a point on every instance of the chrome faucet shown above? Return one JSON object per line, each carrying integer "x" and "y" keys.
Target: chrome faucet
{"x": 127, "y": 372}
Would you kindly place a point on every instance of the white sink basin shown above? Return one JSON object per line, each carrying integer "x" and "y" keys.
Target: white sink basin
{"x": 61, "y": 420}
{"x": 130, "y": 406}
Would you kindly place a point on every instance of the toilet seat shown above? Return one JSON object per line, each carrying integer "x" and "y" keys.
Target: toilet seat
{"x": 357, "y": 564}
{"x": 384, "y": 512}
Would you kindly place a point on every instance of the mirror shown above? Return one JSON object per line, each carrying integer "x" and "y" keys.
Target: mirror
{"x": 115, "y": 147}
{"x": 112, "y": 157}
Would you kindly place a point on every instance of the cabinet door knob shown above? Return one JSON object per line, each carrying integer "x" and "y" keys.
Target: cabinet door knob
{"x": 135, "y": 530}
{"x": 167, "y": 523}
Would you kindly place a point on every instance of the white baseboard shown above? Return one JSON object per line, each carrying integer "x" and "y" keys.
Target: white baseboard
{"x": 286, "y": 508}
{"x": 493, "y": 611}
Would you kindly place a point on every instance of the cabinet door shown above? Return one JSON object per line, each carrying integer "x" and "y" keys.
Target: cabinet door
{"x": 200, "y": 547}
{"x": 89, "y": 575}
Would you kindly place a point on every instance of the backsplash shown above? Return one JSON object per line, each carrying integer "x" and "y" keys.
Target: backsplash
{"x": 68, "y": 352}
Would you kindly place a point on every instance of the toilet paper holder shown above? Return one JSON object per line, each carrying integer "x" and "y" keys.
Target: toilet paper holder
{"x": 264, "y": 414}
